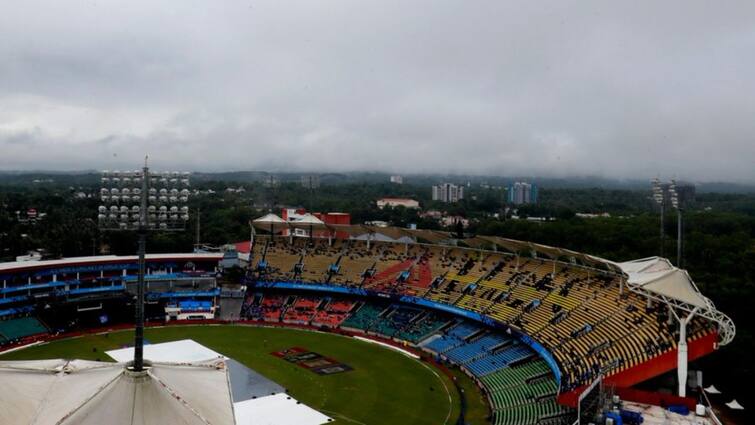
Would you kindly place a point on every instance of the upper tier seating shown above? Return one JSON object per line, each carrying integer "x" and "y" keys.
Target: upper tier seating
{"x": 576, "y": 313}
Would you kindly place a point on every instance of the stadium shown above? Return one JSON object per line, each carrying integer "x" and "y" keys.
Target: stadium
{"x": 361, "y": 324}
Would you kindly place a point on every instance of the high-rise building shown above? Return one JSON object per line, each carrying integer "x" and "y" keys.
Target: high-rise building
{"x": 522, "y": 193}
{"x": 397, "y": 179}
{"x": 448, "y": 193}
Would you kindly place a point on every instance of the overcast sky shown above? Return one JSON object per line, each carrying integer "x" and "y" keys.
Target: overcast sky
{"x": 486, "y": 87}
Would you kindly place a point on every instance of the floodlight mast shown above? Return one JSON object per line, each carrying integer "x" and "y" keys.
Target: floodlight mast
{"x": 158, "y": 213}
{"x": 660, "y": 199}
{"x": 142, "y": 231}
{"x": 676, "y": 202}
{"x": 659, "y": 195}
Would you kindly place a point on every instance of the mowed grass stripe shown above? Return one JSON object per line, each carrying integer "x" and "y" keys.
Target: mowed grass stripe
{"x": 385, "y": 387}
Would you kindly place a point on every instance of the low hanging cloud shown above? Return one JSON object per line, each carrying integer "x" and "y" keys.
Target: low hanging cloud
{"x": 486, "y": 87}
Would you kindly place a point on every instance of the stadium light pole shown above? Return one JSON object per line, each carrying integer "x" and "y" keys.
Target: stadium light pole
{"x": 152, "y": 209}
{"x": 659, "y": 199}
{"x": 675, "y": 202}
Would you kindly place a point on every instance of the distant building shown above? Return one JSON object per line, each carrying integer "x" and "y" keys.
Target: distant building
{"x": 451, "y": 220}
{"x": 593, "y": 215}
{"x": 522, "y": 193}
{"x": 397, "y": 202}
{"x": 433, "y": 214}
{"x": 32, "y": 216}
{"x": 397, "y": 179}
{"x": 443, "y": 219}
{"x": 30, "y": 256}
{"x": 448, "y": 193}
{"x": 377, "y": 223}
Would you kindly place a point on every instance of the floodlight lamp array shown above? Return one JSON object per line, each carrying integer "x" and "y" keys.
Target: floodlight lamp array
{"x": 673, "y": 194}
{"x": 657, "y": 191}
{"x": 142, "y": 199}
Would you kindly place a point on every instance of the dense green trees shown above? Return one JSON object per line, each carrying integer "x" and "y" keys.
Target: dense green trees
{"x": 719, "y": 245}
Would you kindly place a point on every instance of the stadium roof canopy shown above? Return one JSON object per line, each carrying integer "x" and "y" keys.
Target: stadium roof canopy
{"x": 516, "y": 246}
{"x": 659, "y": 276}
{"x": 62, "y": 392}
{"x": 14, "y": 266}
{"x": 431, "y": 236}
{"x": 658, "y": 279}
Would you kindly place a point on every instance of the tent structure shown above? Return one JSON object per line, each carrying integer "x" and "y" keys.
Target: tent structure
{"x": 308, "y": 222}
{"x": 270, "y": 222}
{"x": 186, "y": 383}
{"x": 711, "y": 390}
{"x": 256, "y": 399}
{"x": 62, "y": 392}
{"x": 658, "y": 276}
{"x": 657, "y": 279}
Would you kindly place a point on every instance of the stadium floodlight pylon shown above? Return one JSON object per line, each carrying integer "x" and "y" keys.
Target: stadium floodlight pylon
{"x": 142, "y": 201}
{"x": 676, "y": 203}
{"x": 660, "y": 199}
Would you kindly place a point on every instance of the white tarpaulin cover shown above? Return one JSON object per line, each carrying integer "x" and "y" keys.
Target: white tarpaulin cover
{"x": 84, "y": 392}
{"x": 182, "y": 351}
{"x": 659, "y": 276}
{"x": 278, "y": 409}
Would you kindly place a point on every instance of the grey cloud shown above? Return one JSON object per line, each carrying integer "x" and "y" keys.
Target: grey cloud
{"x": 620, "y": 89}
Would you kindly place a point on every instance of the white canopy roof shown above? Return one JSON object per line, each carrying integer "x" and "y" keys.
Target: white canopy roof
{"x": 659, "y": 276}
{"x": 83, "y": 392}
{"x": 270, "y": 222}
{"x": 306, "y": 221}
{"x": 269, "y": 219}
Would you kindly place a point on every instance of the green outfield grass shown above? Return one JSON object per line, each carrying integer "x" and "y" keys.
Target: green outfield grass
{"x": 477, "y": 405}
{"x": 385, "y": 387}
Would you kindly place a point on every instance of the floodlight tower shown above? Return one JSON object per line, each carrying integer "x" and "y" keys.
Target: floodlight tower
{"x": 660, "y": 199}
{"x": 676, "y": 203}
{"x": 142, "y": 201}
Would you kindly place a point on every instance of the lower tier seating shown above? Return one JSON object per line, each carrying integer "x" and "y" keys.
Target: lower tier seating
{"x": 13, "y": 329}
